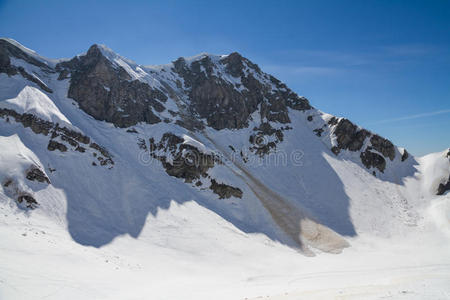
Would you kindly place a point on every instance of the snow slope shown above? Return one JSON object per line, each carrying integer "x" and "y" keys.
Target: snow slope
{"x": 15, "y": 160}
{"x": 128, "y": 230}
{"x": 32, "y": 101}
{"x": 188, "y": 252}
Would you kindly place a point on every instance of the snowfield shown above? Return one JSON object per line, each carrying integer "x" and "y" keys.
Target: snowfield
{"x": 188, "y": 252}
{"x": 32, "y": 101}
{"x": 311, "y": 225}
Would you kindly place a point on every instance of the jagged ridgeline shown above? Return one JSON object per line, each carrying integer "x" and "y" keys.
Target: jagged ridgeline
{"x": 215, "y": 127}
{"x": 222, "y": 92}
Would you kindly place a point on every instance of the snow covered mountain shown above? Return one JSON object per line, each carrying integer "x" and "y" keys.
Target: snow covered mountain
{"x": 191, "y": 157}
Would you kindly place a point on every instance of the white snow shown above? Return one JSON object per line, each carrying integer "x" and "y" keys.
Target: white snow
{"x": 32, "y": 101}
{"x": 134, "y": 232}
{"x": 187, "y": 252}
{"x": 435, "y": 169}
{"x": 32, "y": 53}
{"x": 15, "y": 159}
{"x": 188, "y": 140}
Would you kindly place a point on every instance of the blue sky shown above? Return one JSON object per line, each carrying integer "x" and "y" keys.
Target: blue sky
{"x": 383, "y": 64}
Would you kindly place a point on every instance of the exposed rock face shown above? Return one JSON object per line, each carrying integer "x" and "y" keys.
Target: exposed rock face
{"x": 372, "y": 159}
{"x": 349, "y": 137}
{"x": 383, "y": 146}
{"x": 5, "y": 61}
{"x": 72, "y": 138}
{"x": 333, "y": 121}
{"x": 36, "y": 124}
{"x": 405, "y": 155}
{"x": 36, "y": 174}
{"x": 265, "y": 139}
{"x": 23, "y": 199}
{"x": 107, "y": 92}
{"x": 444, "y": 187}
{"x": 225, "y": 105}
{"x": 106, "y": 158}
{"x": 34, "y": 79}
{"x": 187, "y": 162}
{"x": 318, "y": 131}
{"x": 28, "y": 201}
{"x": 8, "y": 50}
{"x": 54, "y": 145}
{"x": 226, "y": 91}
{"x": 213, "y": 98}
{"x": 225, "y": 191}
{"x": 40, "y": 126}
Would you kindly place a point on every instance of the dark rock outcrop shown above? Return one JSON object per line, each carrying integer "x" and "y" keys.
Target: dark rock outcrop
{"x": 8, "y": 50}
{"x": 318, "y": 131}
{"x": 132, "y": 130}
{"x": 349, "y": 136}
{"x": 333, "y": 121}
{"x": 335, "y": 150}
{"x": 261, "y": 140}
{"x": 225, "y": 191}
{"x": 187, "y": 161}
{"x": 32, "y": 78}
{"x": 372, "y": 159}
{"x": 36, "y": 124}
{"x": 225, "y": 105}
{"x": 24, "y": 199}
{"x": 71, "y": 137}
{"x": 405, "y": 155}
{"x": 352, "y": 138}
{"x": 28, "y": 201}
{"x": 383, "y": 146}
{"x": 443, "y": 187}
{"x": 106, "y": 158}
{"x": 36, "y": 174}
{"x": 107, "y": 92}
{"x": 54, "y": 145}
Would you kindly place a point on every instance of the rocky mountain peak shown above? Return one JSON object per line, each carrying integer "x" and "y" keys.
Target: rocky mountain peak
{"x": 10, "y": 48}
{"x": 108, "y": 92}
{"x": 224, "y": 90}
{"x": 11, "y": 51}
{"x": 218, "y": 91}
{"x": 94, "y": 55}
{"x": 236, "y": 64}
{"x": 221, "y": 127}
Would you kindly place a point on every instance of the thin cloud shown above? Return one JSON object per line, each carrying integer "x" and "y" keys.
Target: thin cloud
{"x": 410, "y": 50}
{"x": 329, "y": 57}
{"x": 416, "y": 116}
{"x": 315, "y": 70}
{"x": 385, "y": 54}
{"x": 303, "y": 70}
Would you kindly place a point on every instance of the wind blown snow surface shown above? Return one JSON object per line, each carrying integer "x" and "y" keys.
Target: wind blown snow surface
{"x": 32, "y": 101}
{"x": 133, "y": 232}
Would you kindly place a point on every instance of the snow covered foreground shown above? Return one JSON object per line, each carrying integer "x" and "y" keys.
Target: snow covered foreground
{"x": 187, "y": 252}
{"x": 131, "y": 231}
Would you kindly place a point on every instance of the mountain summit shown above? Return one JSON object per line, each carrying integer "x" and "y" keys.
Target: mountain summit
{"x": 97, "y": 143}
